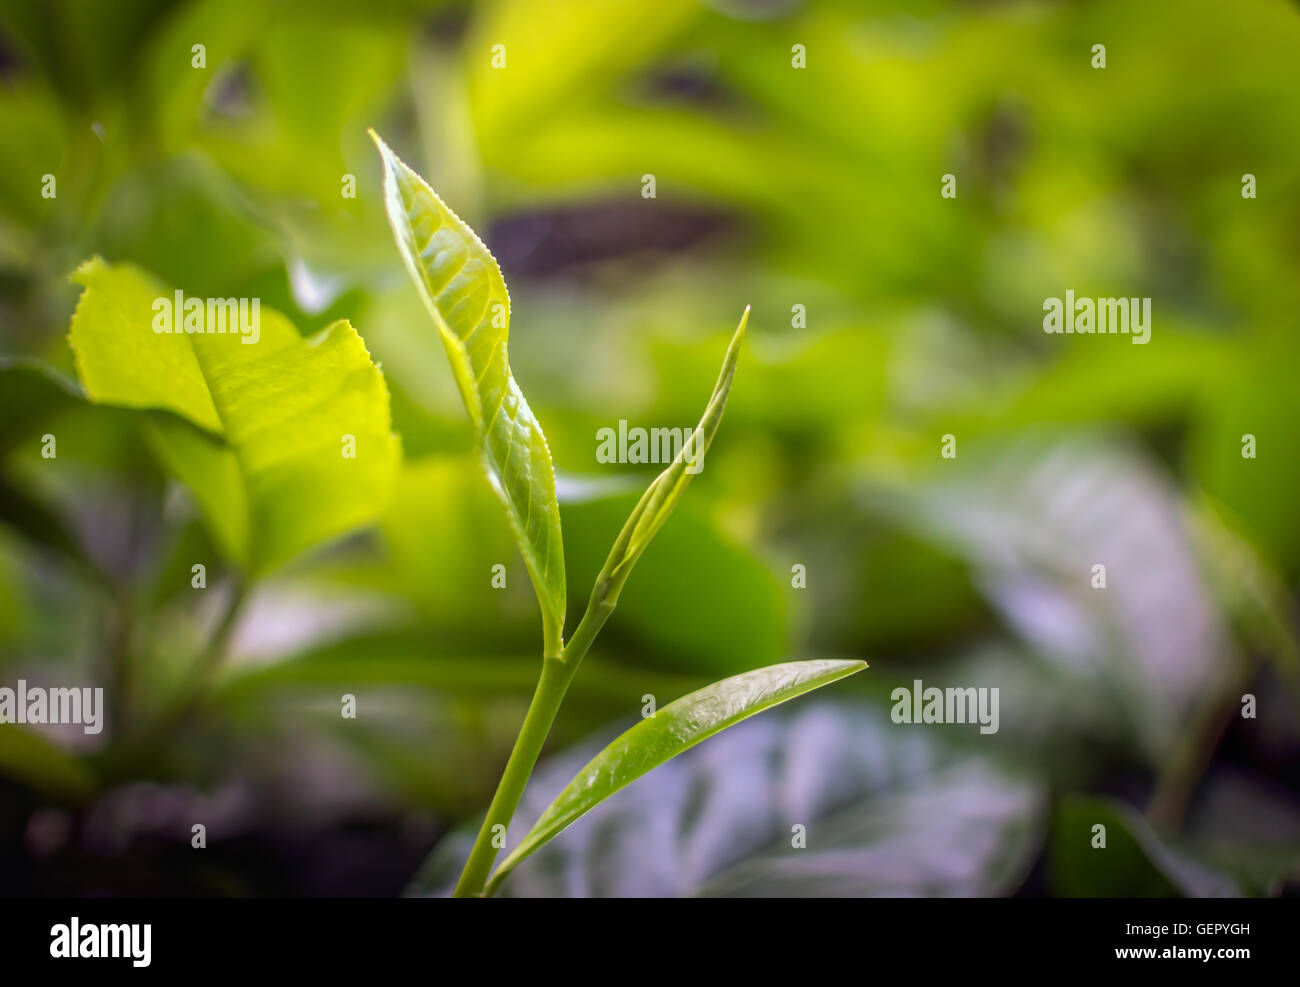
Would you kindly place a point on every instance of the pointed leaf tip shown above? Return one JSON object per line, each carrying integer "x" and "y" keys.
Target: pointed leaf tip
{"x": 659, "y": 499}
{"x": 675, "y": 728}
{"x": 461, "y": 286}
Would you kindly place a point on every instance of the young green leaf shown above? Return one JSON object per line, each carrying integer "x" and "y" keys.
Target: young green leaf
{"x": 677, "y": 727}
{"x": 461, "y": 286}
{"x": 285, "y": 441}
{"x": 652, "y": 510}
{"x": 873, "y": 800}
{"x": 662, "y": 495}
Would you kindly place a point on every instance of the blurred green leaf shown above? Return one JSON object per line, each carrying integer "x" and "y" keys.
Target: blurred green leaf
{"x": 156, "y": 214}
{"x": 403, "y": 659}
{"x": 603, "y": 41}
{"x": 31, "y": 758}
{"x": 1255, "y": 397}
{"x": 1033, "y": 516}
{"x": 31, "y": 393}
{"x": 443, "y": 559}
{"x": 81, "y": 48}
{"x": 1249, "y": 587}
{"x": 32, "y": 111}
{"x": 1246, "y": 827}
{"x": 37, "y": 521}
{"x": 1134, "y": 863}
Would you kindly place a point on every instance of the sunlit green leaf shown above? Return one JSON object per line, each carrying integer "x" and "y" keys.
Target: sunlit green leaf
{"x": 461, "y": 286}
{"x": 677, "y": 727}
{"x": 286, "y": 442}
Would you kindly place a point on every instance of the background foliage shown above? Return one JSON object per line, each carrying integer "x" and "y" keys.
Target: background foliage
{"x": 776, "y": 187}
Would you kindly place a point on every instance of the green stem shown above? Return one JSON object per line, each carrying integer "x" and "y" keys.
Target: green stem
{"x": 598, "y": 610}
{"x": 557, "y": 673}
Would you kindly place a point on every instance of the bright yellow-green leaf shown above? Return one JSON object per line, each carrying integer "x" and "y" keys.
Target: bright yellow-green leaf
{"x": 210, "y": 469}
{"x": 677, "y": 727}
{"x": 286, "y": 441}
{"x": 121, "y": 360}
{"x": 461, "y": 286}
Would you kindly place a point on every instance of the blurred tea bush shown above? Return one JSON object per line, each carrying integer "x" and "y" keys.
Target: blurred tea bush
{"x": 885, "y": 317}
